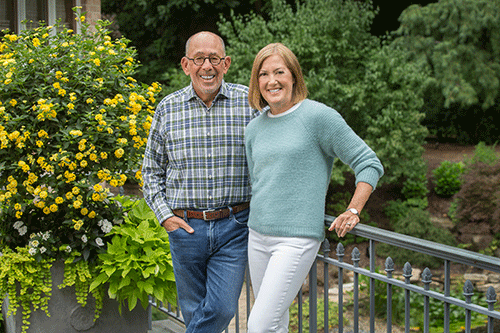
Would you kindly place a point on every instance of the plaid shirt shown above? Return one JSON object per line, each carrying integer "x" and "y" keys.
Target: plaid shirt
{"x": 195, "y": 156}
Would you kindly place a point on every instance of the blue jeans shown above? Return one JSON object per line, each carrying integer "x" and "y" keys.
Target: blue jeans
{"x": 209, "y": 267}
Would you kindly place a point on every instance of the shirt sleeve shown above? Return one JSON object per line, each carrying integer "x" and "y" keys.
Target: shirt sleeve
{"x": 154, "y": 171}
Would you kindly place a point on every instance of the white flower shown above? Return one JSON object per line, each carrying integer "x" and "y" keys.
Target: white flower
{"x": 46, "y": 235}
{"x": 68, "y": 249}
{"x": 32, "y": 251}
{"x": 18, "y": 224}
{"x": 99, "y": 241}
{"x": 43, "y": 249}
{"x": 23, "y": 230}
{"x": 1, "y": 254}
{"x": 84, "y": 238}
{"x": 34, "y": 243}
{"x": 106, "y": 226}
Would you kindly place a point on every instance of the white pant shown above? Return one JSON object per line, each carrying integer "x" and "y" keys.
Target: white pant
{"x": 278, "y": 267}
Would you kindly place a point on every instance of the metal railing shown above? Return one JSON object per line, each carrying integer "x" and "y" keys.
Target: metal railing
{"x": 448, "y": 253}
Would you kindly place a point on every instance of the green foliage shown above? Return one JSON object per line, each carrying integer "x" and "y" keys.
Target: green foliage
{"x": 447, "y": 178}
{"x": 333, "y": 319}
{"x": 397, "y": 209}
{"x": 416, "y": 222}
{"x": 372, "y": 86}
{"x": 484, "y": 154}
{"x": 138, "y": 262}
{"x": 458, "y": 41}
{"x": 26, "y": 282}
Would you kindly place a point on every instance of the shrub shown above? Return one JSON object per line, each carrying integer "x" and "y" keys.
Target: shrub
{"x": 447, "y": 178}
{"x": 416, "y": 223}
{"x": 478, "y": 203}
{"x": 71, "y": 118}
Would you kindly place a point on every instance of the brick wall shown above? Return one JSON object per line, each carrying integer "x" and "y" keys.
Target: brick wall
{"x": 92, "y": 8}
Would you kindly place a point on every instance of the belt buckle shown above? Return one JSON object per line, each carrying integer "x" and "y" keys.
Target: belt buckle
{"x": 207, "y": 211}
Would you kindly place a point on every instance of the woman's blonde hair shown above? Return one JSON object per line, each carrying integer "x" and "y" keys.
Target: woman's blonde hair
{"x": 299, "y": 88}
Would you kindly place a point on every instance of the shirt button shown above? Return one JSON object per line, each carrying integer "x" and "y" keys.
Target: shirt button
{"x": 209, "y": 176}
{"x": 208, "y": 133}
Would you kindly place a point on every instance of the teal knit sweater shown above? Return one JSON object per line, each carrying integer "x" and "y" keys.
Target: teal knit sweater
{"x": 290, "y": 159}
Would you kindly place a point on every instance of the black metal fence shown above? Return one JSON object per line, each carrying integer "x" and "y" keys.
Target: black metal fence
{"x": 375, "y": 235}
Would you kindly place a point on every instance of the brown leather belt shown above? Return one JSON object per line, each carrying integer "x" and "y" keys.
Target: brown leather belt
{"x": 211, "y": 214}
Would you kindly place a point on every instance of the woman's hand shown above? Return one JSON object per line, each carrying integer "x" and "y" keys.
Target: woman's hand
{"x": 344, "y": 223}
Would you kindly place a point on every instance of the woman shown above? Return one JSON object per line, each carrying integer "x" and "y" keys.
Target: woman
{"x": 290, "y": 150}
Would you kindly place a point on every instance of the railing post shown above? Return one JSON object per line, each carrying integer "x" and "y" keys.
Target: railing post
{"x": 326, "y": 302}
{"x": 447, "y": 292}
{"x": 355, "y": 261}
{"x": 340, "y": 255}
{"x": 389, "y": 268}
{"x": 468, "y": 292}
{"x": 372, "y": 286}
{"x": 407, "y": 275}
{"x": 491, "y": 298}
{"x": 313, "y": 298}
{"x": 426, "y": 279}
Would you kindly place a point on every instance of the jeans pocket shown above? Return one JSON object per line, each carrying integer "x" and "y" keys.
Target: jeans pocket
{"x": 241, "y": 218}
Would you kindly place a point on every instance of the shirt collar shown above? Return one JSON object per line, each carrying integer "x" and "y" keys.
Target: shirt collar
{"x": 224, "y": 92}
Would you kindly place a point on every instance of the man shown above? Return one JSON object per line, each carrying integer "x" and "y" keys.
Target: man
{"x": 196, "y": 181}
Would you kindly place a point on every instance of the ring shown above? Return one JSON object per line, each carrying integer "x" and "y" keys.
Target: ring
{"x": 348, "y": 223}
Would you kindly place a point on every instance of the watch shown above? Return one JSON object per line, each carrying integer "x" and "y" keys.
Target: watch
{"x": 353, "y": 210}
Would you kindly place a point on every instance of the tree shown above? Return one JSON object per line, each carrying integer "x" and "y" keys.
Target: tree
{"x": 348, "y": 69}
{"x": 459, "y": 42}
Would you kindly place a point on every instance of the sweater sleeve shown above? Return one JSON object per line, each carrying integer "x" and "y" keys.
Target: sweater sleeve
{"x": 337, "y": 139}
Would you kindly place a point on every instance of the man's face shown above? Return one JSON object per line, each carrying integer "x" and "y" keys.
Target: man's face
{"x": 206, "y": 78}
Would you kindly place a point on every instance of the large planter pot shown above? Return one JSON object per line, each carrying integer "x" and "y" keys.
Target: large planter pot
{"x": 67, "y": 316}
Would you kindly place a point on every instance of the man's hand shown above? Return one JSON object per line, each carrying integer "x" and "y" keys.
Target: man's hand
{"x": 174, "y": 223}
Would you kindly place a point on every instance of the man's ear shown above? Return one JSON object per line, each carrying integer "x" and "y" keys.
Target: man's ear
{"x": 184, "y": 64}
{"x": 227, "y": 63}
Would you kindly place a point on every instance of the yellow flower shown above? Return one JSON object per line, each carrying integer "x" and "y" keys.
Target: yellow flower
{"x": 97, "y": 62}
{"x": 17, "y": 206}
{"x": 75, "y": 190}
{"x": 84, "y": 211}
{"x": 62, "y": 92}
{"x": 98, "y": 188}
{"x": 83, "y": 164}
{"x": 43, "y": 194}
{"x": 8, "y": 75}
{"x": 7, "y": 81}
{"x": 59, "y": 200}
{"x": 119, "y": 152}
{"x": 71, "y": 106}
{"x": 104, "y": 155}
{"x": 92, "y": 215}
{"x": 36, "y": 42}
{"x": 53, "y": 208}
{"x": 96, "y": 196}
{"x": 110, "y": 130}
{"x": 13, "y": 102}
{"x": 19, "y": 214}
{"x": 39, "y": 143}
{"x": 77, "y": 204}
{"x": 31, "y": 61}
{"x": 45, "y": 35}
{"x": 69, "y": 195}
{"x": 56, "y": 85}
{"x": 76, "y": 132}
{"x": 42, "y": 134}
{"x": 90, "y": 101}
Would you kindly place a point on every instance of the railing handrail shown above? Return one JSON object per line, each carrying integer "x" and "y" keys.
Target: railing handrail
{"x": 446, "y": 252}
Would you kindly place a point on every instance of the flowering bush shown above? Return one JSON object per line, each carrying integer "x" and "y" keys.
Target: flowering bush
{"x": 71, "y": 118}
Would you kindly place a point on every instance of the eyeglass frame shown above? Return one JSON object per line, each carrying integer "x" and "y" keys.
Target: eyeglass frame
{"x": 205, "y": 58}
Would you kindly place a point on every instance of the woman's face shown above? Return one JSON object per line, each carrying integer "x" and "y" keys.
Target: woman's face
{"x": 276, "y": 84}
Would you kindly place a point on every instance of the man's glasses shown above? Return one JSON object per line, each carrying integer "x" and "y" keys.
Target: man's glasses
{"x": 214, "y": 60}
